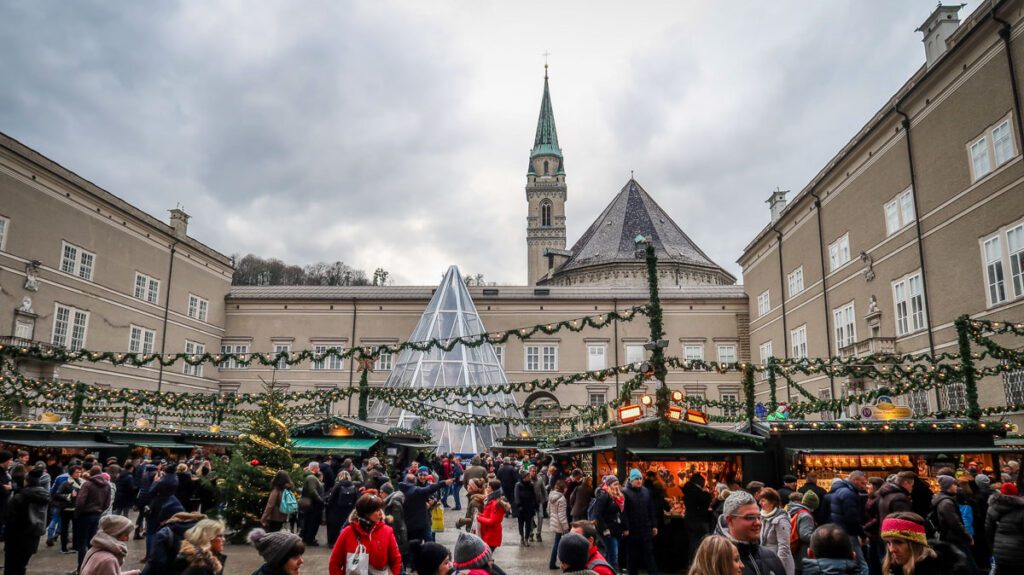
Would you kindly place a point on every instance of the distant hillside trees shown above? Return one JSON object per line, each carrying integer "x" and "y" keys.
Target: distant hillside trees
{"x": 252, "y": 270}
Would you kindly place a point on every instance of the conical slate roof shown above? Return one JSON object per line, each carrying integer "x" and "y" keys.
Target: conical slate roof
{"x": 633, "y": 212}
{"x": 450, "y": 314}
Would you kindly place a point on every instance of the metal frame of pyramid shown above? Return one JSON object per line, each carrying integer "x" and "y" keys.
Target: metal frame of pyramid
{"x": 450, "y": 314}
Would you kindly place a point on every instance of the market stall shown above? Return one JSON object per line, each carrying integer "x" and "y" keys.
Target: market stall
{"x": 881, "y": 448}
{"x": 350, "y": 437}
{"x": 61, "y": 440}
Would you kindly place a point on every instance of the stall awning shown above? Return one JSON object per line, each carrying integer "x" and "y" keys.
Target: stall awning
{"x": 333, "y": 444}
{"x": 573, "y": 450}
{"x": 675, "y": 451}
{"x": 414, "y": 445}
{"x": 69, "y": 443}
{"x": 162, "y": 444}
{"x": 899, "y": 450}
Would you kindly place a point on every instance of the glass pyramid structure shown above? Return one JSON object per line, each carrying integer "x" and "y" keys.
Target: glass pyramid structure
{"x": 450, "y": 314}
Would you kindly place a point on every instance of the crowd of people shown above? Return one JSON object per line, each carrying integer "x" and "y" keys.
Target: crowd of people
{"x": 380, "y": 520}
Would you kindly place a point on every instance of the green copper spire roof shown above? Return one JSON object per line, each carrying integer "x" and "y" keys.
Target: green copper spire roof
{"x": 546, "y": 142}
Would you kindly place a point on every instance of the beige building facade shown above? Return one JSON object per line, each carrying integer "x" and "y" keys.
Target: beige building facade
{"x": 917, "y": 220}
{"x": 81, "y": 268}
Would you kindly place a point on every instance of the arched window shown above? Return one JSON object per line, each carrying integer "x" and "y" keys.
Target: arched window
{"x": 545, "y": 214}
{"x": 546, "y": 172}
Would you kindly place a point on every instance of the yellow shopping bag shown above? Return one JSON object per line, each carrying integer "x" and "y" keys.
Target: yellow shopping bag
{"x": 437, "y": 518}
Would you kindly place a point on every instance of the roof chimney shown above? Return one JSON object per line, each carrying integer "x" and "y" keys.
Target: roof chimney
{"x": 179, "y": 221}
{"x": 776, "y": 203}
{"x": 937, "y": 29}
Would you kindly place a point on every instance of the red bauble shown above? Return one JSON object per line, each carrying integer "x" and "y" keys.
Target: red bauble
{"x": 254, "y": 462}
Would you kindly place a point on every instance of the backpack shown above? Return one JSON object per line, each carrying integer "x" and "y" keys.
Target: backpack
{"x": 592, "y": 509}
{"x": 347, "y": 496}
{"x": 288, "y": 503}
{"x": 595, "y": 562}
{"x": 794, "y": 532}
{"x": 933, "y": 524}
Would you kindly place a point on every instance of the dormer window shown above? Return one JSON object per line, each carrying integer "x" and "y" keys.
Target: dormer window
{"x": 545, "y": 210}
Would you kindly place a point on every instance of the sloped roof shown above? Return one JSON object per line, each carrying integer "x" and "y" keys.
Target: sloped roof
{"x": 633, "y": 212}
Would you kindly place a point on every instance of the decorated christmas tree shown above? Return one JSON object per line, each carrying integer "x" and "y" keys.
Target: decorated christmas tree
{"x": 263, "y": 449}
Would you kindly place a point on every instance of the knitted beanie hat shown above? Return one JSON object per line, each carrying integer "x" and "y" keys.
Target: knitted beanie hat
{"x": 116, "y": 525}
{"x": 1008, "y": 489}
{"x": 634, "y": 474}
{"x": 471, "y": 552}
{"x": 810, "y": 500}
{"x": 946, "y": 481}
{"x": 574, "y": 551}
{"x": 982, "y": 479}
{"x": 903, "y": 529}
{"x": 609, "y": 480}
{"x": 428, "y": 556}
{"x": 274, "y": 547}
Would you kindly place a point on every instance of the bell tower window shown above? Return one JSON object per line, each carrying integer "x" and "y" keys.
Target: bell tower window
{"x": 546, "y": 169}
{"x": 545, "y": 212}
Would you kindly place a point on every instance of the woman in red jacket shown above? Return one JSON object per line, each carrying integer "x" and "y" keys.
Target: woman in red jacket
{"x": 366, "y": 527}
{"x": 495, "y": 507}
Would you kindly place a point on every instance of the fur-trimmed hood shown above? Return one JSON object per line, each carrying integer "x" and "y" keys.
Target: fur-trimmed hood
{"x": 191, "y": 556}
{"x": 1004, "y": 503}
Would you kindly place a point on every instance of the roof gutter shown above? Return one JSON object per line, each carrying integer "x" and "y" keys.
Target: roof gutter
{"x": 1005, "y": 32}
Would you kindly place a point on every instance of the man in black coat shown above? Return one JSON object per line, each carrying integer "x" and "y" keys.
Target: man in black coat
{"x": 509, "y": 477}
{"x": 743, "y": 528}
{"x": 788, "y": 487}
{"x": 697, "y": 520}
{"x": 25, "y": 523}
{"x": 641, "y": 525}
{"x": 847, "y": 508}
{"x": 417, "y": 516}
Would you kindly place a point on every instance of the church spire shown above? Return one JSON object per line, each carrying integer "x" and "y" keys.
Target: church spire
{"x": 546, "y": 141}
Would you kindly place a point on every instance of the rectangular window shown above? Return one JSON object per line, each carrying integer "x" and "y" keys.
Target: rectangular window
{"x": 384, "y": 361}
{"x": 727, "y": 354}
{"x": 693, "y": 352}
{"x": 634, "y": 353}
{"x": 549, "y": 357}
{"x": 197, "y": 307}
{"x": 69, "y": 327}
{"x": 499, "y": 352}
{"x": 597, "y": 398}
{"x": 596, "y": 357}
{"x": 766, "y": 351}
{"x": 1013, "y": 387}
{"x": 733, "y": 409}
{"x": 286, "y": 348}
{"x": 76, "y": 261}
{"x": 798, "y": 342}
{"x": 839, "y": 252}
{"x": 899, "y": 212}
{"x": 1002, "y": 143}
{"x": 796, "y": 281}
{"x": 330, "y": 363}
{"x": 826, "y": 395}
{"x": 954, "y": 396}
{"x": 5, "y": 224}
{"x": 239, "y": 349}
{"x": 24, "y": 328}
{"x": 147, "y": 288}
{"x": 541, "y": 358}
{"x": 1015, "y": 249}
{"x": 994, "y": 270}
{"x": 141, "y": 340}
{"x": 908, "y": 300}
{"x": 918, "y": 403}
{"x": 979, "y": 158}
{"x": 193, "y": 348}
{"x": 764, "y": 304}
{"x": 845, "y": 322}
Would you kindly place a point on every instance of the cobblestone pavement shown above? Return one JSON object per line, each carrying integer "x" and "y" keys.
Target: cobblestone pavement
{"x": 243, "y": 559}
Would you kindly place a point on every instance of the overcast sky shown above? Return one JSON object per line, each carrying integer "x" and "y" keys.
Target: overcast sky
{"x": 397, "y": 134}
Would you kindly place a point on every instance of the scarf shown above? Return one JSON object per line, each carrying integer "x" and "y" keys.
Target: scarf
{"x": 365, "y": 524}
{"x": 620, "y": 500}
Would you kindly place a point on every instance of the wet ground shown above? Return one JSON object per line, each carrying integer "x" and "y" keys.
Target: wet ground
{"x": 243, "y": 560}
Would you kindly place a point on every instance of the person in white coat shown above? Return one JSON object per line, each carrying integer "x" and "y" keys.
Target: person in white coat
{"x": 775, "y": 528}
{"x": 558, "y": 516}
